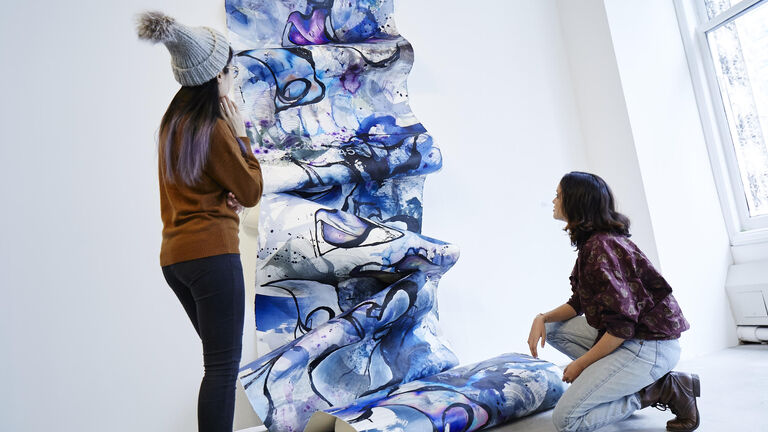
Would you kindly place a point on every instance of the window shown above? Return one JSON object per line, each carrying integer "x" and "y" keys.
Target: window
{"x": 731, "y": 39}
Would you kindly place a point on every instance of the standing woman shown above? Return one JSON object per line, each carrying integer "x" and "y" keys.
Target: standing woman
{"x": 626, "y": 344}
{"x": 205, "y": 173}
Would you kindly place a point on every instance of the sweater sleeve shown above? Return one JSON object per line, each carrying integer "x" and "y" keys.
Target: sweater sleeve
{"x": 237, "y": 171}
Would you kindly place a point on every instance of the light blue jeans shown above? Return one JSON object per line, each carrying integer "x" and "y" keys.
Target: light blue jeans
{"x": 606, "y": 391}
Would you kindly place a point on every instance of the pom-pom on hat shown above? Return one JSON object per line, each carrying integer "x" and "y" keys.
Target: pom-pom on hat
{"x": 198, "y": 54}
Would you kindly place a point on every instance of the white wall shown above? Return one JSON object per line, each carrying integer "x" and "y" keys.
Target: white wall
{"x": 608, "y": 139}
{"x": 642, "y": 129}
{"x": 91, "y": 336}
{"x": 689, "y": 228}
{"x": 495, "y": 92}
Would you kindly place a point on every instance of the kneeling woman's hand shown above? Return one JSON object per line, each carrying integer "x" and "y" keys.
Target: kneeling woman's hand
{"x": 573, "y": 370}
{"x": 538, "y": 331}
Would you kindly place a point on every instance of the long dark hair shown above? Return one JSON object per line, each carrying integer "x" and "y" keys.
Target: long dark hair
{"x": 588, "y": 205}
{"x": 193, "y": 113}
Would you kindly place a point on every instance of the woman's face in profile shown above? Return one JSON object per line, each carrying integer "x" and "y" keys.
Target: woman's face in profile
{"x": 557, "y": 211}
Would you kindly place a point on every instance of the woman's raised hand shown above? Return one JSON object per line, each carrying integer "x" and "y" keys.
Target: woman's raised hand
{"x": 538, "y": 331}
{"x": 232, "y": 116}
{"x": 233, "y": 203}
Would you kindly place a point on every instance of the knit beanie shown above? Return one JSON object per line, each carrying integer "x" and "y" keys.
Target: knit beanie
{"x": 198, "y": 54}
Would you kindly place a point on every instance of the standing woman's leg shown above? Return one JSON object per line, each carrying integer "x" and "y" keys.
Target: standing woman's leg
{"x": 219, "y": 296}
{"x": 217, "y": 286}
{"x": 182, "y": 292}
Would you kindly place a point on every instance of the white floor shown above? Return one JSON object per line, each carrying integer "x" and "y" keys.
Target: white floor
{"x": 734, "y": 397}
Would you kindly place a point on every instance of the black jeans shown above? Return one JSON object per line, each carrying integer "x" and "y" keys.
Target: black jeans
{"x": 212, "y": 291}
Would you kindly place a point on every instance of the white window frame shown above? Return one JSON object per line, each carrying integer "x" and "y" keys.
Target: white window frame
{"x": 694, "y": 24}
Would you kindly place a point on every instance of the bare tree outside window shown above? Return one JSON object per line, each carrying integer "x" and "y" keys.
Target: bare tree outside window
{"x": 739, "y": 49}
{"x": 716, "y": 7}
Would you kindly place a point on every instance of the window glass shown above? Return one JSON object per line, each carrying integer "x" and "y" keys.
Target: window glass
{"x": 715, "y": 7}
{"x": 739, "y": 50}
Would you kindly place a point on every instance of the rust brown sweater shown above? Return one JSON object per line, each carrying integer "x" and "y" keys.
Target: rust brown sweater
{"x": 196, "y": 220}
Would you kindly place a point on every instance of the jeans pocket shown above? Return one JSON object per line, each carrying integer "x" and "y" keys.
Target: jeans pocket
{"x": 667, "y": 356}
{"x": 634, "y": 345}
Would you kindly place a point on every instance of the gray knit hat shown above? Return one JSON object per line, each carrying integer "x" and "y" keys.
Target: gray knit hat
{"x": 198, "y": 54}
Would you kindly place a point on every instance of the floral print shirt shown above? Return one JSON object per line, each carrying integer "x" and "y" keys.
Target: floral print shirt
{"x": 619, "y": 291}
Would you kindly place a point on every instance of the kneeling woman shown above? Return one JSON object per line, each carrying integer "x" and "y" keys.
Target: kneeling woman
{"x": 625, "y": 345}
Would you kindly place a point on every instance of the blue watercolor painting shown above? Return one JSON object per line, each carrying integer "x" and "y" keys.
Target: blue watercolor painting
{"x": 468, "y": 398}
{"x": 346, "y": 305}
{"x": 346, "y": 284}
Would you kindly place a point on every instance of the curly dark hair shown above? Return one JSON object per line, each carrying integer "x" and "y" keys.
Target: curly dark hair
{"x": 588, "y": 206}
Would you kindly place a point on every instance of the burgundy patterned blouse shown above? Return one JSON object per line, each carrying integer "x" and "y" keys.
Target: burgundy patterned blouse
{"x": 618, "y": 289}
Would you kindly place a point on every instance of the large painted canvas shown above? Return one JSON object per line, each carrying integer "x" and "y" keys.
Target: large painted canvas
{"x": 357, "y": 301}
{"x": 346, "y": 285}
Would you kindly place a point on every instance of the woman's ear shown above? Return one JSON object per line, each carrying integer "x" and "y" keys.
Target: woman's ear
{"x": 219, "y": 77}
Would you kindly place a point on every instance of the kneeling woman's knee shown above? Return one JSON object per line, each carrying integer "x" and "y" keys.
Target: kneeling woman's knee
{"x": 563, "y": 423}
{"x": 552, "y": 329}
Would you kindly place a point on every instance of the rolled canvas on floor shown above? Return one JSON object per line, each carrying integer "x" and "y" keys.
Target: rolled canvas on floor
{"x": 467, "y": 398}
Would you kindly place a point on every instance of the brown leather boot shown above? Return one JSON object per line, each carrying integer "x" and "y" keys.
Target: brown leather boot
{"x": 678, "y": 392}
